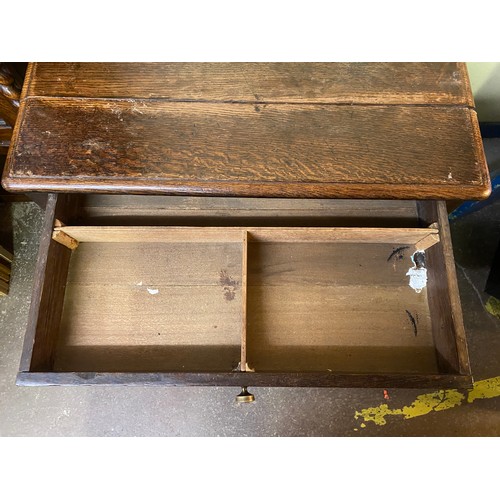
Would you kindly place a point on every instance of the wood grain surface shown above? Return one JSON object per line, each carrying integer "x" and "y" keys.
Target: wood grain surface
{"x": 143, "y": 306}
{"x": 151, "y": 306}
{"x": 327, "y": 130}
{"x": 113, "y": 206}
{"x": 48, "y": 291}
{"x": 248, "y": 379}
{"x": 138, "y": 234}
{"x": 444, "y": 297}
{"x": 373, "y": 343}
{"x": 408, "y": 83}
{"x": 142, "y": 210}
{"x": 158, "y": 210}
{"x": 337, "y": 307}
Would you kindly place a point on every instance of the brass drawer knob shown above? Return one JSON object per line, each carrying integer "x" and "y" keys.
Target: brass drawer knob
{"x": 244, "y": 396}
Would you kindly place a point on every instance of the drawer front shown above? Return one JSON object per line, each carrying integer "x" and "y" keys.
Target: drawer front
{"x": 241, "y": 292}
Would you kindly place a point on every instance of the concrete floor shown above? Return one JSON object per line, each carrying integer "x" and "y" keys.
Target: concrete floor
{"x": 157, "y": 411}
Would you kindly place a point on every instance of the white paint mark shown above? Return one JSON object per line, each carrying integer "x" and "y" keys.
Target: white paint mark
{"x": 140, "y": 283}
{"x": 152, "y": 291}
{"x": 418, "y": 278}
{"x": 418, "y": 275}
{"x": 450, "y": 176}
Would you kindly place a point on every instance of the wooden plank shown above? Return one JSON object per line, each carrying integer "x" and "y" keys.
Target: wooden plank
{"x": 157, "y": 314}
{"x": 48, "y": 293}
{"x": 405, "y": 235}
{"x": 152, "y": 307}
{"x": 395, "y": 83}
{"x": 148, "y": 358}
{"x": 119, "y": 210}
{"x": 444, "y": 297}
{"x": 427, "y": 241}
{"x": 244, "y": 290}
{"x": 137, "y": 234}
{"x": 62, "y": 238}
{"x": 249, "y": 379}
{"x": 318, "y": 315}
{"x": 138, "y": 265}
{"x": 119, "y": 234}
{"x": 346, "y": 359}
{"x": 336, "y": 307}
{"x": 275, "y": 150}
{"x": 188, "y": 206}
{"x": 329, "y": 264}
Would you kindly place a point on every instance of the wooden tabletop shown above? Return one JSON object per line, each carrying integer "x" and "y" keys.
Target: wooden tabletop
{"x": 319, "y": 130}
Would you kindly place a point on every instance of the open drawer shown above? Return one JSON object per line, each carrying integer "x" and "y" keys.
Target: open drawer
{"x": 242, "y": 292}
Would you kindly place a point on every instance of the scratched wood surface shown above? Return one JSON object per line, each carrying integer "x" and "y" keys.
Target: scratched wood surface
{"x": 329, "y": 130}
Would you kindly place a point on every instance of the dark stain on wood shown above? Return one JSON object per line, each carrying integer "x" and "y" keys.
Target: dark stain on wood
{"x": 413, "y": 322}
{"x": 419, "y": 259}
{"x": 397, "y": 253}
{"x": 228, "y": 284}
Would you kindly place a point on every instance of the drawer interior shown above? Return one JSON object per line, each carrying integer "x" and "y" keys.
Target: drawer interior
{"x": 242, "y": 296}
{"x": 151, "y": 306}
{"x": 337, "y": 307}
{"x": 292, "y": 299}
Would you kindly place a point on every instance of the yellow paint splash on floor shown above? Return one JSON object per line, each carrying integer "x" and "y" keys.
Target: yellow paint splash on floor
{"x": 484, "y": 389}
{"x": 493, "y": 306}
{"x": 434, "y": 401}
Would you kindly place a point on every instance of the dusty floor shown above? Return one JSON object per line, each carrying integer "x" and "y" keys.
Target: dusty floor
{"x": 164, "y": 411}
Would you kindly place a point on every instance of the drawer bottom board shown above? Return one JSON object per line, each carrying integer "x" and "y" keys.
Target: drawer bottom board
{"x": 177, "y": 306}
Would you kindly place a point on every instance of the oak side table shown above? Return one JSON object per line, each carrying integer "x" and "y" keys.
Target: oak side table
{"x": 250, "y": 224}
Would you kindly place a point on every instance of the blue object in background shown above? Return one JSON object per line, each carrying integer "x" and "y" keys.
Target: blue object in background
{"x": 471, "y": 206}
